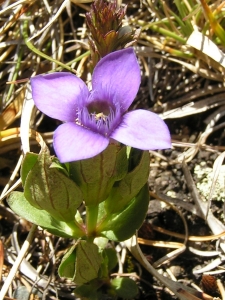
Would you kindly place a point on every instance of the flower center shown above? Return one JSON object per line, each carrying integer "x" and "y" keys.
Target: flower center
{"x": 100, "y": 116}
{"x": 99, "y": 108}
{"x": 99, "y": 112}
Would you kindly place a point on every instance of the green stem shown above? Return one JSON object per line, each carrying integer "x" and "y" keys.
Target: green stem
{"x": 87, "y": 53}
{"x": 91, "y": 221}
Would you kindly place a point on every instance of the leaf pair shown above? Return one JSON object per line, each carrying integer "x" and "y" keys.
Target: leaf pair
{"x": 50, "y": 198}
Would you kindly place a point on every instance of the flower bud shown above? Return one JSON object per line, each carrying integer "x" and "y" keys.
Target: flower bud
{"x": 107, "y": 34}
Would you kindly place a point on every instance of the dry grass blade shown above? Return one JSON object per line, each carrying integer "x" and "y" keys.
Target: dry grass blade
{"x": 1, "y": 258}
{"x": 216, "y": 170}
{"x": 221, "y": 288}
{"x": 212, "y": 265}
{"x": 12, "y": 111}
{"x": 203, "y": 253}
{"x": 177, "y": 288}
{"x": 189, "y": 296}
{"x": 190, "y": 237}
{"x": 180, "y": 247}
{"x": 159, "y": 243}
{"x": 206, "y": 46}
{"x": 17, "y": 263}
{"x": 53, "y": 19}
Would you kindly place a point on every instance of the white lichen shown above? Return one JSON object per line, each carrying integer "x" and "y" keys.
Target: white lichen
{"x": 204, "y": 176}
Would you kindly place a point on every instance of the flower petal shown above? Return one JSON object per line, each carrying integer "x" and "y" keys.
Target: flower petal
{"x": 143, "y": 130}
{"x": 73, "y": 142}
{"x": 117, "y": 77}
{"x": 59, "y": 94}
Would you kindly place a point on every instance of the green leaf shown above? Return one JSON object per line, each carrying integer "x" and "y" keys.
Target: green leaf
{"x": 124, "y": 287}
{"x": 89, "y": 291}
{"x": 127, "y": 188}
{"x": 88, "y": 262}
{"x": 61, "y": 167}
{"x": 47, "y": 188}
{"x": 96, "y": 176}
{"x": 111, "y": 257}
{"x": 121, "y": 226}
{"x": 81, "y": 263}
{"x": 109, "y": 262}
{"x": 135, "y": 157}
{"x": 86, "y": 291}
{"x": 121, "y": 165}
{"x": 67, "y": 265}
{"x": 28, "y": 163}
{"x": 19, "y": 204}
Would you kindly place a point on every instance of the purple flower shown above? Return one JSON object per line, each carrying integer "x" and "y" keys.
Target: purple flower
{"x": 93, "y": 118}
